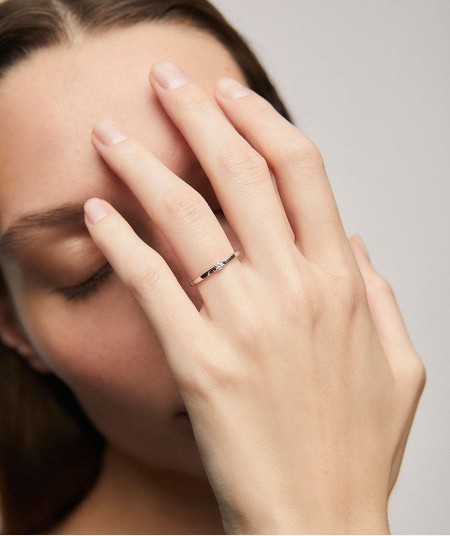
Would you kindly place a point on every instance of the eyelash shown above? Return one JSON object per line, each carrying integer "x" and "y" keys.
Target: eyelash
{"x": 83, "y": 290}
{"x": 88, "y": 287}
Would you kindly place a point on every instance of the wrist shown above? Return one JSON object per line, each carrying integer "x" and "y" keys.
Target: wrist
{"x": 316, "y": 523}
{"x": 336, "y": 526}
{"x": 367, "y": 516}
{"x": 362, "y": 525}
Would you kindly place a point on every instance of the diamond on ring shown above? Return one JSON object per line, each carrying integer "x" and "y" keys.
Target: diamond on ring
{"x": 218, "y": 266}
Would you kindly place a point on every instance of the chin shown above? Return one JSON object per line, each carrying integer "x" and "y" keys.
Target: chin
{"x": 172, "y": 451}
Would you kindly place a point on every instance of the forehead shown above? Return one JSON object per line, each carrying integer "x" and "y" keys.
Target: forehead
{"x": 50, "y": 101}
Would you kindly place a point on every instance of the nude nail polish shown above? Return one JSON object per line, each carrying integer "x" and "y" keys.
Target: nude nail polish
{"x": 109, "y": 132}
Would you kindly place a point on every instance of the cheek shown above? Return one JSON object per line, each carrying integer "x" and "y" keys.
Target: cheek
{"x": 103, "y": 348}
{"x": 106, "y": 353}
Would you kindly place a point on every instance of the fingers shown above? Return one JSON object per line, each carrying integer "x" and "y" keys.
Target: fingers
{"x": 241, "y": 178}
{"x": 238, "y": 173}
{"x": 301, "y": 178}
{"x": 181, "y": 213}
{"x": 405, "y": 363}
{"x": 145, "y": 273}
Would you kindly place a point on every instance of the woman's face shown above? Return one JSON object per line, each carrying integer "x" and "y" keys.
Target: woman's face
{"x": 94, "y": 336}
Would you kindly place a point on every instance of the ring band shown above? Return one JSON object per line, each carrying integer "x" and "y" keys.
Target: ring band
{"x": 215, "y": 268}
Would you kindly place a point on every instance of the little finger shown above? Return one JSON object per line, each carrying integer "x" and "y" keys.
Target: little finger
{"x": 404, "y": 361}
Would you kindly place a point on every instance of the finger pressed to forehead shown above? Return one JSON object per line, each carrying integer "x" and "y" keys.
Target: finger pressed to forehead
{"x": 238, "y": 173}
{"x": 180, "y": 212}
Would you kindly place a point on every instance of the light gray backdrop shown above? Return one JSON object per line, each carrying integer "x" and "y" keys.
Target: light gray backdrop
{"x": 369, "y": 82}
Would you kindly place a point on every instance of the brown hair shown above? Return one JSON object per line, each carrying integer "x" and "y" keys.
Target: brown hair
{"x": 50, "y": 454}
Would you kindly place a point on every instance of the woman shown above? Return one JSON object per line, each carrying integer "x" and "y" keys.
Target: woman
{"x": 191, "y": 344}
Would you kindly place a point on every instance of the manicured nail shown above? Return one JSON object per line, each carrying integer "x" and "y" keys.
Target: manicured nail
{"x": 109, "y": 132}
{"x": 363, "y": 247}
{"x": 168, "y": 75}
{"x": 95, "y": 210}
{"x": 232, "y": 89}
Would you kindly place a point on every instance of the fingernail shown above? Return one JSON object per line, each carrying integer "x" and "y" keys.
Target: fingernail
{"x": 109, "y": 132}
{"x": 232, "y": 89}
{"x": 168, "y": 75}
{"x": 95, "y": 210}
{"x": 363, "y": 247}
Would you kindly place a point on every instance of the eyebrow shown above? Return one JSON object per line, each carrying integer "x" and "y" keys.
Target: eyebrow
{"x": 18, "y": 235}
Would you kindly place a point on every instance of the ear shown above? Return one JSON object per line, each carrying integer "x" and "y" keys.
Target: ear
{"x": 13, "y": 336}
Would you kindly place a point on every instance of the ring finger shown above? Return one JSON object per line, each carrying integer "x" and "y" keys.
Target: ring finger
{"x": 180, "y": 212}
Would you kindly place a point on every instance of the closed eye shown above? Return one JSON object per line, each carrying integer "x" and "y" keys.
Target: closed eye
{"x": 88, "y": 287}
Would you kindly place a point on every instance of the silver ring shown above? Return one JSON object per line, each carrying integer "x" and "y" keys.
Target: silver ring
{"x": 215, "y": 268}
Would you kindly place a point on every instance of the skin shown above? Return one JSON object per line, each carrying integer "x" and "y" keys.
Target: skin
{"x": 333, "y": 326}
{"x": 102, "y": 346}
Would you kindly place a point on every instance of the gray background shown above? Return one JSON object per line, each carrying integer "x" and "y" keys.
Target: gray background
{"x": 369, "y": 82}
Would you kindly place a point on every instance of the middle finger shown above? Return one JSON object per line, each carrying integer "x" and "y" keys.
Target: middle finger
{"x": 238, "y": 173}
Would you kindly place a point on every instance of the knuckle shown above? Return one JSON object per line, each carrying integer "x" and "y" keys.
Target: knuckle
{"x": 312, "y": 296}
{"x": 296, "y": 292}
{"x": 349, "y": 290}
{"x": 418, "y": 373}
{"x": 250, "y": 329}
{"x": 145, "y": 276}
{"x": 302, "y": 301}
{"x": 378, "y": 284}
{"x": 244, "y": 164}
{"x": 223, "y": 378}
{"x": 192, "y": 101}
{"x": 301, "y": 151}
{"x": 310, "y": 306}
{"x": 217, "y": 377}
{"x": 412, "y": 374}
{"x": 184, "y": 208}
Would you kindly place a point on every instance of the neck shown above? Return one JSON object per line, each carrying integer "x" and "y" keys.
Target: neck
{"x": 130, "y": 499}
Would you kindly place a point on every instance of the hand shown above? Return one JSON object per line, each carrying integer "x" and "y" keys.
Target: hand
{"x": 298, "y": 374}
